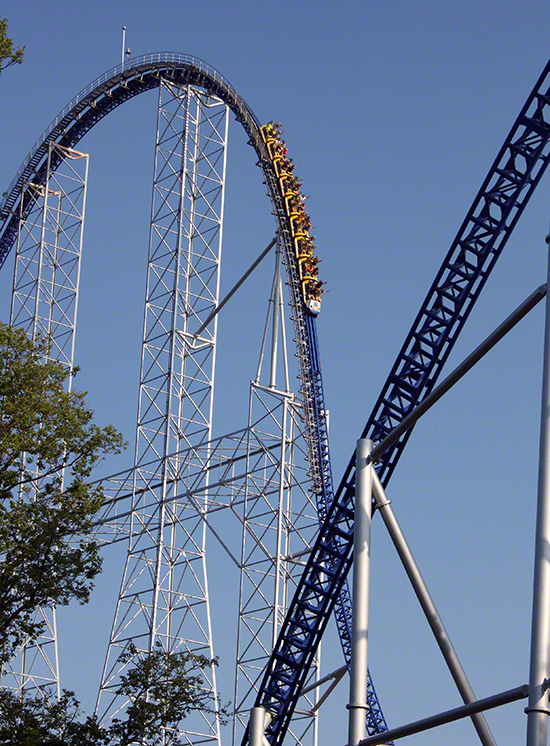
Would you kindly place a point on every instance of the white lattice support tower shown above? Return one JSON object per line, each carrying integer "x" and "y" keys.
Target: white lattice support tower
{"x": 49, "y": 247}
{"x": 44, "y": 304}
{"x": 279, "y": 524}
{"x": 164, "y": 592}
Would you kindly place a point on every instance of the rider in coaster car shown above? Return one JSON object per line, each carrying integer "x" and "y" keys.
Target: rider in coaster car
{"x": 315, "y": 288}
{"x": 296, "y": 202}
{"x": 272, "y": 129}
{"x": 310, "y": 265}
{"x": 310, "y": 269}
{"x": 287, "y": 164}
{"x": 296, "y": 183}
{"x": 303, "y": 223}
{"x": 305, "y": 247}
{"x": 294, "y": 199}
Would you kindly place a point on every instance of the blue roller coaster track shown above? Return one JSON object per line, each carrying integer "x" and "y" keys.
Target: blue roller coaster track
{"x": 511, "y": 181}
{"x": 81, "y": 114}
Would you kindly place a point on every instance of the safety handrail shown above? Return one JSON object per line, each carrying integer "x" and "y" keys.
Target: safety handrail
{"x": 130, "y": 66}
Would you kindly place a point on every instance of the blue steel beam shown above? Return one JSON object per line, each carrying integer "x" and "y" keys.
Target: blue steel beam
{"x": 376, "y": 722}
{"x": 511, "y": 181}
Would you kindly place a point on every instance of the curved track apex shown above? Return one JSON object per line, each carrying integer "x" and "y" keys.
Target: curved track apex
{"x": 81, "y": 114}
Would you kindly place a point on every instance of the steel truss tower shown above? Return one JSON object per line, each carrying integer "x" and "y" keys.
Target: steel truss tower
{"x": 164, "y": 592}
{"x": 279, "y": 523}
{"x": 256, "y": 479}
{"x": 44, "y": 305}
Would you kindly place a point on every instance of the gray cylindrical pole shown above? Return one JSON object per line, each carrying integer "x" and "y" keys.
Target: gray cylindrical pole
{"x": 428, "y": 606}
{"x": 123, "y": 43}
{"x": 256, "y": 727}
{"x": 450, "y": 716}
{"x": 360, "y": 617}
{"x": 537, "y": 710}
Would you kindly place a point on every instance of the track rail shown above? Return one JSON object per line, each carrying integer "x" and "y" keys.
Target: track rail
{"x": 503, "y": 196}
{"x": 84, "y": 111}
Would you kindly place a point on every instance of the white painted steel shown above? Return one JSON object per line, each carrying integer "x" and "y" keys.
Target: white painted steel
{"x": 360, "y": 593}
{"x": 44, "y": 304}
{"x": 276, "y": 314}
{"x": 49, "y": 248}
{"x": 539, "y": 670}
{"x": 257, "y": 726}
{"x": 166, "y": 525}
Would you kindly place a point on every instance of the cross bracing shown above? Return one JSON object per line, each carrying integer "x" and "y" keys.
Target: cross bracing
{"x": 49, "y": 247}
{"x": 44, "y": 304}
{"x": 35, "y": 666}
{"x": 279, "y": 522}
{"x": 213, "y": 475}
{"x": 254, "y": 484}
{"x": 164, "y": 597}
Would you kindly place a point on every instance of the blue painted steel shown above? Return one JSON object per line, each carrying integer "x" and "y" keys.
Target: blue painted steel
{"x": 84, "y": 111}
{"x": 499, "y": 204}
{"x": 376, "y": 723}
{"x": 318, "y": 454}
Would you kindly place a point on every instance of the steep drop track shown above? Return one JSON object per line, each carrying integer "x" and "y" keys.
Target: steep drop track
{"x": 82, "y": 113}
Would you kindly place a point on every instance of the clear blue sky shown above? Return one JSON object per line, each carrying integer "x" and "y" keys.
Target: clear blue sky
{"x": 394, "y": 112}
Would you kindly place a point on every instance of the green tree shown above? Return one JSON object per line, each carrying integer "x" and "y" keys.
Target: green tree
{"x": 29, "y": 721}
{"x": 48, "y": 448}
{"x": 46, "y": 552}
{"x": 13, "y": 55}
{"x": 162, "y": 688}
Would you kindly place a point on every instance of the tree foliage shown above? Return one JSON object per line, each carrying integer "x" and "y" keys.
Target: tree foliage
{"x": 162, "y": 688}
{"x": 28, "y": 721}
{"x": 48, "y": 447}
{"x": 9, "y": 55}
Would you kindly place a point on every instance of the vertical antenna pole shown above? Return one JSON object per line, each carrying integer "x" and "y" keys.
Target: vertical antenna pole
{"x": 360, "y": 616}
{"x": 276, "y": 313}
{"x": 123, "y": 43}
{"x": 537, "y": 710}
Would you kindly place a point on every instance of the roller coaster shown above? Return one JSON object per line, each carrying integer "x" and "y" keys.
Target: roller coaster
{"x": 520, "y": 164}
